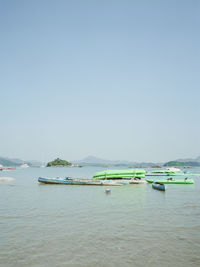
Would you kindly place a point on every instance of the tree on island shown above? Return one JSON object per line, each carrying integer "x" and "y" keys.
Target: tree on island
{"x": 58, "y": 162}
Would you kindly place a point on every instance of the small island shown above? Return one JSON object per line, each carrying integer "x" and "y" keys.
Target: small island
{"x": 59, "y": 163}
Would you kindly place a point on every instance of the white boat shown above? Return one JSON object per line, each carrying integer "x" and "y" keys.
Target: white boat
{"x": 110, "y": 182}
{"x": 173, "y": 169}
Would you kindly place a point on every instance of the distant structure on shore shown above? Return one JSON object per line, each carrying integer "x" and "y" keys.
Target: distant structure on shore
{"x": 24, "y": 166}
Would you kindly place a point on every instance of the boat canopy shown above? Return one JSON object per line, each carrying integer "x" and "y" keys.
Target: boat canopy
{"x": 119, "y": 174}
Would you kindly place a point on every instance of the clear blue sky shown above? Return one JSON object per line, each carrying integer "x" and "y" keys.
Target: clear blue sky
{"x": 113, "y": 79}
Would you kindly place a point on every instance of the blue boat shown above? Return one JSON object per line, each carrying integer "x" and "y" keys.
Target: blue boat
{"x": 158, "y": 186}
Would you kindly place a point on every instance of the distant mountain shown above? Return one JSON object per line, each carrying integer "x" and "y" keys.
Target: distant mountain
{"x": 189, "y": 160}
{"x": 8, "y": 162}
{"x": 184, "y": 162}
{"x": 95, "y": 161}
{"x": 92, "y": 159}
{"x": 198, "y": 158}
{"x": 17, "y": 162}
{"x": 35, "y": 163}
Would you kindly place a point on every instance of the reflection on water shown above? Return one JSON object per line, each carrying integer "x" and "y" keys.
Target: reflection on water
{"x": 59, "y": 225}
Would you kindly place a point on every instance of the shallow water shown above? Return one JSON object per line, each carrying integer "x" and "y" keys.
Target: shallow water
{"x": 66, "y": 225}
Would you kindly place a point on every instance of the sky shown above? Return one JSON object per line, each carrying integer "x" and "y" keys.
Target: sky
{"x": 115, "y": 79}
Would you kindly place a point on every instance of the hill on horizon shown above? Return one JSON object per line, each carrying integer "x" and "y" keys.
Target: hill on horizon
{"x": 197, "y": 159}
{"x": 95, "y": 160}
{"x": 90, "y": 160}
{"x": 8, "y": 162}
{"x": 14, "y": 162}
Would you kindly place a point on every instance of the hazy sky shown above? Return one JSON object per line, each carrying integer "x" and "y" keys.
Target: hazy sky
{"x": 113, "y": 79}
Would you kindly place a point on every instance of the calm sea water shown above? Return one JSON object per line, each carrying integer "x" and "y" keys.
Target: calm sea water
{"x": 58, "y": 225}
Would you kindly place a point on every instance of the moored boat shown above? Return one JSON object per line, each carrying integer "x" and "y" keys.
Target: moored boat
{"x": 68, "y": 181}
{"x": 76, "y": 181}
{"x": 158, "y": 186}
{"x": 171, "y": 172}
{"x": 137, "y": 181}
{"x": 111, "y": 182}
{"x": 172, "y": 181}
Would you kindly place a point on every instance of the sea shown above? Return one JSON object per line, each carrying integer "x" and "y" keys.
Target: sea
{"x": 83, "y": 226}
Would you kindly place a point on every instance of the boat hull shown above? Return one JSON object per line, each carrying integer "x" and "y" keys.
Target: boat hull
{"x": 69, "y": 181}
{"x": 160, "y": 187}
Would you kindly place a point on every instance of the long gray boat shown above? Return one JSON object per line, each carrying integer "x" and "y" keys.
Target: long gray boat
{"x": 77, "y": 181}
{"x": 68, "y": 181}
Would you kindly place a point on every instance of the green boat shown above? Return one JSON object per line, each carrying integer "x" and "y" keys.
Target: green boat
{"x": 184, "y": 174}
{"x": 120, "y": 174}
{"x": 171, "y": 181}
{"x": 171, "y": 172}
{"x": 168, "y": 171}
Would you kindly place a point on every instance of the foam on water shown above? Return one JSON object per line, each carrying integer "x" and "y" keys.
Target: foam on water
{"x": 6, "y": 179}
